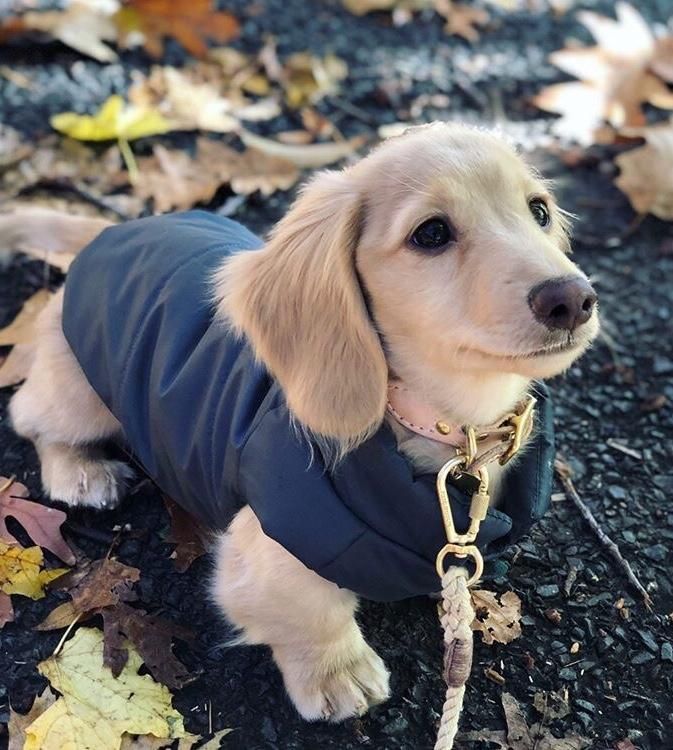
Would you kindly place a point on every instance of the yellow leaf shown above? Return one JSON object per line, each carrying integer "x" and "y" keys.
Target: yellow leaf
{"x": 21, "y": 571}
{"x": 115, "y": 120}
{"x": 96, "y": 709}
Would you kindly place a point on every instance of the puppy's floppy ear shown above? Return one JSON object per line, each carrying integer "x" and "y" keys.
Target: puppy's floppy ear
{"x": 299, "y": 302}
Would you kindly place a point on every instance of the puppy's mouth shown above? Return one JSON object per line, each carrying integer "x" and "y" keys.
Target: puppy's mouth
{"x": 569, "y": 344}
{"x": 547, "y": 351}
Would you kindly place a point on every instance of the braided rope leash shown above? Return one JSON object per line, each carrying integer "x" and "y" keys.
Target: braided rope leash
{"x": 456, "y": 615}
{"x": 456, "y": 612}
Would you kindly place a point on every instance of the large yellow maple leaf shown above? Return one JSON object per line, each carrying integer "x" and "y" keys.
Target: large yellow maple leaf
{"x": 96, "y": 709}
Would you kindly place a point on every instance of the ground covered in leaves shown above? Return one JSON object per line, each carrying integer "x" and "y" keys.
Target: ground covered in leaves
{"x": 591, "y": 661}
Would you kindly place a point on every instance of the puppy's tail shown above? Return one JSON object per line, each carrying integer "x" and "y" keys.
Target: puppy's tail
{"x": 44, "y": 232}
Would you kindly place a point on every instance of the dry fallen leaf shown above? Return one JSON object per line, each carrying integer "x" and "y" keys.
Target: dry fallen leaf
{"x": 617, "y": 76}
{"x": 83, "y": 25}
{"x": 552, "y": 705}
{"x": 95, "y": 709}
{"x": 361, "y": 7}
{"x": 307, "y": 79}
{"x": 22, "y": 329}
{"x": 190, "y": 22}
{"x": 102, "y": 583}
{"x": 310, "y": 156}
{"x": 13, "y": 148}
{"x": 187, "y": 534}
{"x": 498, "y": 618}
{"x": 175, "y": 180}
{"x": 21, "y": 571}
{"x": 201, "y": 96}
{"x": 68, "y": 163}
{"x": 153, "y": 639}
{"x": 58, "y": 235}
{"x": 522, "y": 737}
{"x": 42, "y": 524}
{"x": 115, "y": 120}
{"x": 461, "y": 19}
{"x": 103, "y": 588}
{"x": 18, "y": 722}
{"x": 646, "y": 173}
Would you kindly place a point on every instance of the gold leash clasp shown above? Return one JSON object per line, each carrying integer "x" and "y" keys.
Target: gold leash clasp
{"x": 461, "y": 544}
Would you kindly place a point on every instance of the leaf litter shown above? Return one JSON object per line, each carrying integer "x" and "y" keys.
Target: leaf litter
{"x": 627, "y": 67}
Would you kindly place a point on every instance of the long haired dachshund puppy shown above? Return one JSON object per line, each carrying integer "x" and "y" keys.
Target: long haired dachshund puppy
{"x": 436, "y": 267}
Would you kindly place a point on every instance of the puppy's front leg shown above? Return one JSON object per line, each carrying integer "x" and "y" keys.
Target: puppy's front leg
{"x": 329, "y": 670}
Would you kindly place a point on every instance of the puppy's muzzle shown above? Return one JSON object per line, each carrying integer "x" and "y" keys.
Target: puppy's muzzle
{"x": 564, "y": 303}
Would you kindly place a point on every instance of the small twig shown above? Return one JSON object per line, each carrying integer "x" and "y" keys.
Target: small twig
{"x": 565, "y": 475}
{"x": 65, "y": 635}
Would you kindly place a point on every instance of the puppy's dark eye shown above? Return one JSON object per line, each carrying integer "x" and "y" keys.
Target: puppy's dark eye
{"x": 432, "y": 235}
{"x": 540, "y": 212}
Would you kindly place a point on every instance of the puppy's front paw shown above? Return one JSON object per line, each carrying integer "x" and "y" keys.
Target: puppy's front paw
{"x": 336, "y": 686}
{"x": 96, "y": 484}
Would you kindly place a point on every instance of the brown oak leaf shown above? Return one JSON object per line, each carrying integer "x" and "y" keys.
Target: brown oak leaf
{"x": 190, "y": 22}
{"x": 99, "y": 584}
{"x": 498, "y": 618}
{"x": 187, "y": 534}
{"x": 41, "y": 523}
{"x": 153, "y": 639}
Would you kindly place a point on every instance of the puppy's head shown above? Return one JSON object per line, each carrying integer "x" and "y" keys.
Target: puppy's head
{"x": 441, "y": 249}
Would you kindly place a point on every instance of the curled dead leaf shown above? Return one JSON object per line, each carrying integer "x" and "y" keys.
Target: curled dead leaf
{"x": 498, "y": 617}
{"x": 646, "y": 173}
{"x": 309, "y": 156}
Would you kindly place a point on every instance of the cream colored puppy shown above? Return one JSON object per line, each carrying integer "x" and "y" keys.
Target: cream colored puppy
{"x": 440, "y": 260}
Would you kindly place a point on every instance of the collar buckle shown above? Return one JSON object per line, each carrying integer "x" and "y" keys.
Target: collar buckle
{"x": 522, "y": 426}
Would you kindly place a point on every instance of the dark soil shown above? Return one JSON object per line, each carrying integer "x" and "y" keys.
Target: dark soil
{"x": 620, "y": 682}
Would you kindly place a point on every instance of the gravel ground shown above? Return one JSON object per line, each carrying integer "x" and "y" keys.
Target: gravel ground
{"x": 620, "y": 681}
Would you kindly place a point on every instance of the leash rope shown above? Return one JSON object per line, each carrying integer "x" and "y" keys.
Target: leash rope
{"x": 456, "y": 613}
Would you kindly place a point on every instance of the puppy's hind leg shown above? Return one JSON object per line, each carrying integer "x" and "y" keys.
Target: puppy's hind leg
{"x": 58, "y": 410}
{"x": 329, "y": 671}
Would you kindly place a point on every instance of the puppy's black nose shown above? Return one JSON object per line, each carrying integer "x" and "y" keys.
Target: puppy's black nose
{"x": 563, "y": 303}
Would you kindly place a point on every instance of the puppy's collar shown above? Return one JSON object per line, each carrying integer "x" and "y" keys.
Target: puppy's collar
{"x": 503, "y": 438}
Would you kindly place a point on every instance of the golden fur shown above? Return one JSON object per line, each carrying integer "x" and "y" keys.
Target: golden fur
{"x": 334, "y": 304}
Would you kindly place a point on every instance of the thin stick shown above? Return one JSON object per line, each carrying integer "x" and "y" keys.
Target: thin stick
{"x": 565, "y": 475}
{"x": 65, "y": 635}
